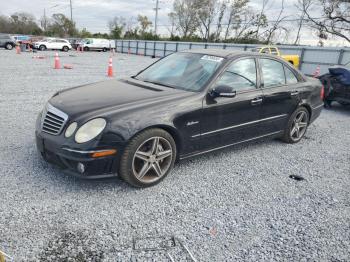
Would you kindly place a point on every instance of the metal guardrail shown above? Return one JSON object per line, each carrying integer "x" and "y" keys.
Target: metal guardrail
{"x": 310, "y": 57}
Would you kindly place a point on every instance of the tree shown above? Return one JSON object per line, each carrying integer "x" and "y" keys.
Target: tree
{"x": 85, "y": 33}
{"x": 221, "y": 14}
{"x": 301, "y": 6}
{"x": 206, "y": 12}
{"x": 335, "y": 17}
{"x": 185, "y": 18}
{"x": 60, "y": 25}
{"x": 145, "y": 24}
{"x": 261, "y": 19}
{"x": 20, "y": 23}
{"x": 276, "y": 25}
{"x": 117, "y": 27}
{"x": 238, "y": 13}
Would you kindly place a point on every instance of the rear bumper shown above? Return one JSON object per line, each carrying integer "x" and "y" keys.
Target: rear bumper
{"x": 71, "y": 162}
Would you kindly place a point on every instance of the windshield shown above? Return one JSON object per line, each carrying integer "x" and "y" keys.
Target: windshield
{"x": 185, "y": 71}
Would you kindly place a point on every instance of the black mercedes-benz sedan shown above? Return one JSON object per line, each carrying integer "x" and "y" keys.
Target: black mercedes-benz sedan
{"x": 185, "y": 104}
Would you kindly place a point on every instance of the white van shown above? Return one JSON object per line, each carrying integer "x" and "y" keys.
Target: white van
{"x": 97, "y": 44}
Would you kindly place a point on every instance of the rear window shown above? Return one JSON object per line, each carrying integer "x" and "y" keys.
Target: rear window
{"x": 290, "y": 76}
{"x": 273, "y": 73}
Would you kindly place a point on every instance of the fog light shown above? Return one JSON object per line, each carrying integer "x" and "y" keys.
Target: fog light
{"x": 81, "y": 168}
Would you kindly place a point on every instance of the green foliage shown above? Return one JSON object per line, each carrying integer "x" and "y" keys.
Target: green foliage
{"x": 60, "y": 25}
{"x": 19, "y": 23}
{"x": 85, "y": 34}
{"x": 100, "y": 35}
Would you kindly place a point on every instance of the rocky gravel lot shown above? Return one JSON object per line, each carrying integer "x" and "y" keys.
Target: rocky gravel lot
{"x": 238, "y": 204}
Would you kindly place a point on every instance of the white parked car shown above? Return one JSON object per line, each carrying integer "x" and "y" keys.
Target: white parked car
{"x": 54, "y": 44}
{"x": 97, "y": 44}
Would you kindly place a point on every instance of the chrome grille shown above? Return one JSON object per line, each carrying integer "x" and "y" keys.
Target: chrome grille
{"x": 53, "y": 120}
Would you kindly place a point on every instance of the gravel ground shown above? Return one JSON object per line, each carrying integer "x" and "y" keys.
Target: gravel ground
{"x": 238, "y": 204}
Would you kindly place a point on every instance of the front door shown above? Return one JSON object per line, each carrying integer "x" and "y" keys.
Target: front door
{"x": 226, "y": 120}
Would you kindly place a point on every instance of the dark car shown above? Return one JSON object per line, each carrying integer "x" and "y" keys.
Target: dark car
{"x": 185, "y": 104}
{"x": 7, "y": 42}
{"x": 337, "y": 85}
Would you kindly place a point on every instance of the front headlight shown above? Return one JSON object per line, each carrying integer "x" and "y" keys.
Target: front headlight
{"x": 90, "y": 130}
{"x": 70, "y": 129}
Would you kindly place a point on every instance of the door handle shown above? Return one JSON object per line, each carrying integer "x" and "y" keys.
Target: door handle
{"x": 294, "y": 93}
{"x": 256, "y": 101}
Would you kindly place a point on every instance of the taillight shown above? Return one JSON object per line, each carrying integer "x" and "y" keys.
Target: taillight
{"x": 322, "y": 93}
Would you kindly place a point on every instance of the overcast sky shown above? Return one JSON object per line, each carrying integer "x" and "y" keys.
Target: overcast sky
{"x": 94, "y": 14}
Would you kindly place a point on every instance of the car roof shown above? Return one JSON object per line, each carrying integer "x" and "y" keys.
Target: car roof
{"x": 226, "y": 53}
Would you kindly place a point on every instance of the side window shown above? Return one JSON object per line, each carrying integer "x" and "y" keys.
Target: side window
{"x": 240, "y": 75}
{"x": 272, "y": 72}
{"x": 290, "y": 77}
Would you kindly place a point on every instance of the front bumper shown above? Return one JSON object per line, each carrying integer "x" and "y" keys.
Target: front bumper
{"x": 68, "y": 160}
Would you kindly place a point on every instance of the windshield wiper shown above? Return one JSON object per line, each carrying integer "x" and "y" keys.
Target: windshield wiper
{"x": 158, "y": 83}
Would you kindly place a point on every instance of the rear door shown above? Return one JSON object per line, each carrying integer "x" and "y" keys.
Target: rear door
{"x": 280, "y": 87}
{"x": 52, "y": 44}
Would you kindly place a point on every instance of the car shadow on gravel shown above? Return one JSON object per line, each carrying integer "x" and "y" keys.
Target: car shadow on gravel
{"x": 344, "y": 110}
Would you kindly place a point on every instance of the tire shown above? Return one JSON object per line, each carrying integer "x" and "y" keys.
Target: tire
{"x": 104, "y": 49}
{"x": 65, "y": 49}
{"x": 42, "y": 48}
{"x": 139, "y": 165}
{"x": 86, "y": 48}
{"x": 9, "y": 46}
{"x": 294, "y": 131}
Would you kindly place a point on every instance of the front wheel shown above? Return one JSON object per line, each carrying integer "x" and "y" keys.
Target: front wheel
{"x": 65, "y": 49}
{"x": 297, "y": 126}
{"x": 86, "y": 48}
{"x": 42, "y": 48}
{"x": 148, "y": 158}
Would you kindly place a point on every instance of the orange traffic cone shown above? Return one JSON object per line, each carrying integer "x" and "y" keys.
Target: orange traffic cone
{"x": 110, "y": 68}
{"x": 57, "y": 62}
{"x": 317, "y": 72}
{"x": 18, "y": 50}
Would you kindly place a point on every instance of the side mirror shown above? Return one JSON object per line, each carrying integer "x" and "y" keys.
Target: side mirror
{"x": 222, "y": 91}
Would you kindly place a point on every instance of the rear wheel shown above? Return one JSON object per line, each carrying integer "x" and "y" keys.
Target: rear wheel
{"x": 86, "y": 48}
{"x": 42, "y": 48}
{"x": 148, "y": 158}
{"x": 297, "y": 126}
{"x": 9, "y": 46}
{"x": 104, "y": 49}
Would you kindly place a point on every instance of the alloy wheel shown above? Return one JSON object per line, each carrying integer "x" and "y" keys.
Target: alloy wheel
{"x": 299, "y": 126}
{"x": 152, "y": 159}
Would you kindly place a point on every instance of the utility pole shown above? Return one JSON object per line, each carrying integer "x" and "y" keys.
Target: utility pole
{"x": 44, "y": 22}
{"x": 71, "y": 11}
{"x": 156, "y": 17}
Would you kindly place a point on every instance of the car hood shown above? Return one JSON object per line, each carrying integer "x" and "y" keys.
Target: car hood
{"x": 111, "y": 96}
